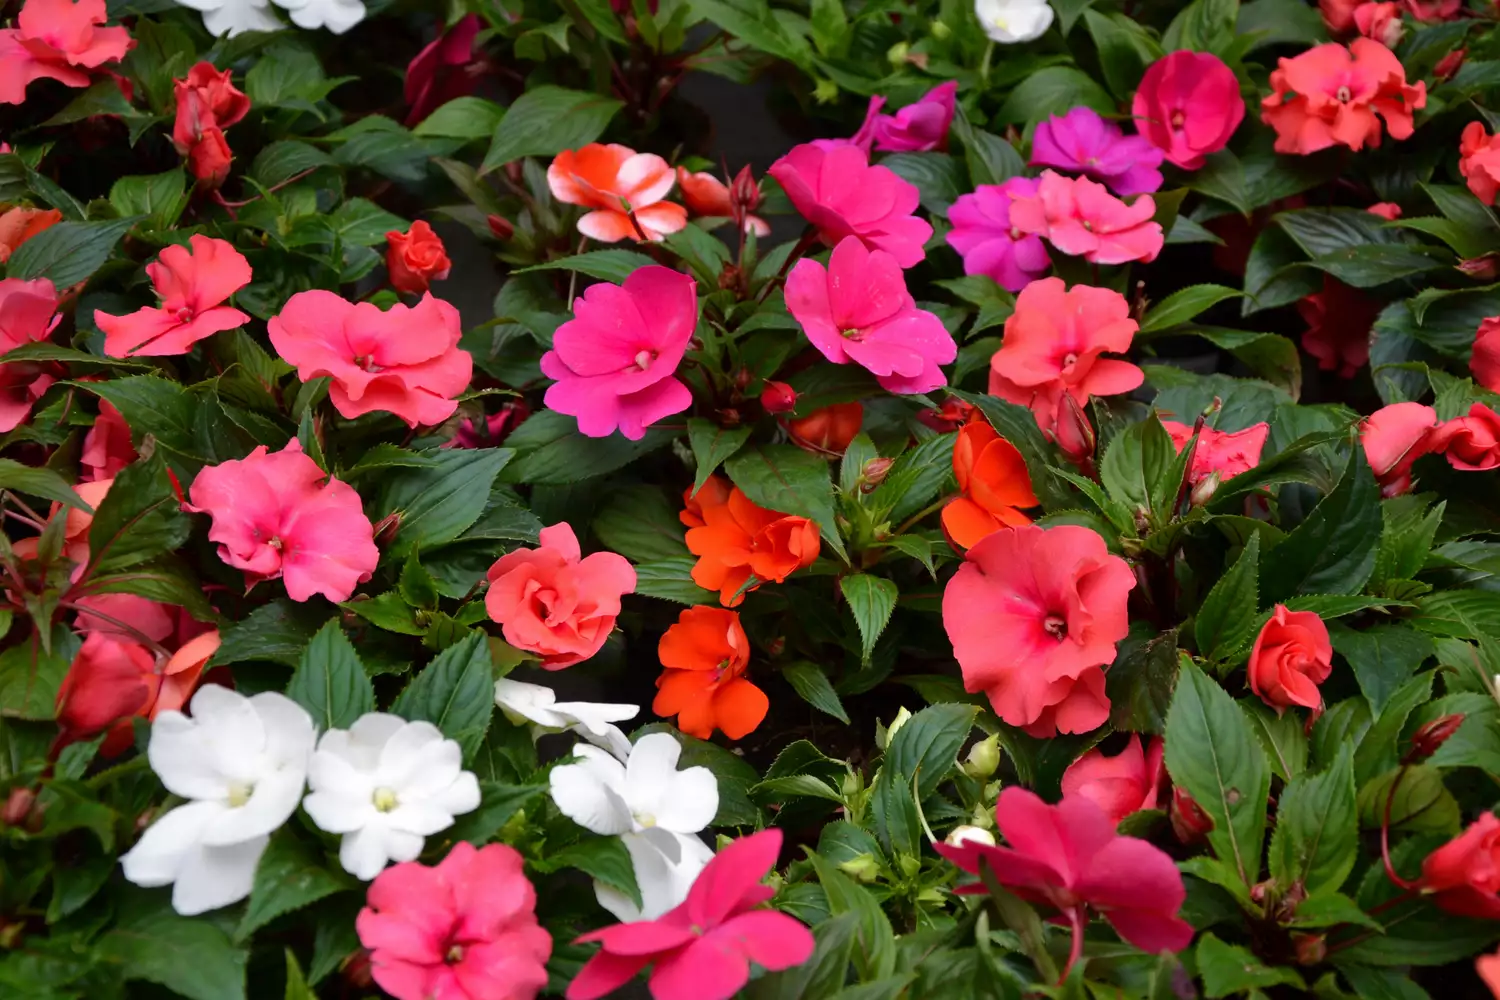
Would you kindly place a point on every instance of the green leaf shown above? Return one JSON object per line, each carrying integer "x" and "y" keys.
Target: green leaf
{"x": 754, "y": 24}
{"x": 779, "y": 790}
{"x": 895, "y": 811}
{"x": 550, "y": 451}
{"x": 330, "y": 682}
{"x": 712, "y": 445}
{"x": 1369, "y": 266}
{"x": 1125, "y": 50}
{"x": 388, "y": 611}
{"x": 439, "y": 501}
{"x": 546, "y": 120}
{"x": 1316, "y": 841}
{"x": 290, "y": 876}
{"x": 871, "y": 601}
{"x": 926, "y": 746}
{"x": 39, "y": 482}
{"x": 606, "y": 265}
{"x": 1228, "y": 969}
{"x": 602, "y": 858}
{"x": 671, "y": 580}
{"x": 1141, "y": 682}
{"x": 278, "y": 632}
{"x": 875, "y": 950}
{"x": 812, "y": 685}
{"x": 1333, "y": 550}
{"x": 1053, "y": 91}
{"x": 1283, "y": 737}
{"x": 138, "y": 519}
{"x": 1383, "y": 658}
{"x": 820, "y": 975}
{"x": 285, "y": 74}
{"x": 497, "y": 804}
{"x": 640, "y": 523}
{"x": 938, "y": 177}
{"x": 462, "y": 118}
{"x": 455, "y": 692}
{"x": 1271, "y": 356}
{"x": 991, "y": 159}
{"x": 1381, "y": 746}
{"x": 1184, "y": 305}
{"x": 296, "y": 983}
{"x": 284, "y": 159}
{"x": 31, "y": 673}
{"x": 1017, "y": 425}
{"x": 362, "y": 223}
{"x": 784, "y": 478}
{"x": 1226, "y": 619}
{"x": 159, "y": 197}
{"x": 192, "y": 957}
{"x": 68, "y": 252}
{"x": 1421, "y": 804}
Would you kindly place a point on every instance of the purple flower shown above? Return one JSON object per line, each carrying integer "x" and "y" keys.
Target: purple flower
{"x": 916, "y": 128}
{"x": 1081, "y": 142}
{"x": 982, "y": 233}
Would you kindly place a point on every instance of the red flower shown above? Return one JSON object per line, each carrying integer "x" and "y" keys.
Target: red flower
{"x": 445, "y": 69}
{"x": 1188, "y": 105}
{"x": 1291, "y": 657}
{"x": 1120, "y": 785}
{"x": 193, "y": 285}
{"x": 739, "y": 540}
{"x": 827, "y": 431}
{"x": 28, "y": 315}
{"x": 1472, "y": 442}
{"x": 106, "y": 447}
{"x": 416, "y": 258}
{"x": 1394, "y": 437}
{"x": 107, "y": 682}
{"x": 17, "y": 225}
{"x": 1464, "y": 874}
{"x": 1479, "y": 161}
{"x": 705, "y": 655}
{"x": 1330, "y": 96}
{"x": 1381, "y": 22}
{"x": 1388, "y": 210}
{"x": 1338, "y": 321}
{"x": 1485, "y": 361}
{"x": 706, "y": 195}
{"x": 57, "y": 40}
{"x": 1224, "y": 452}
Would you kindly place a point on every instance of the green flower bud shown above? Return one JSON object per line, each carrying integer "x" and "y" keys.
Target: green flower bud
{"x": 897, "y": 54}
{"x": 861, "y": 868}
{"x": 983, "y": 759}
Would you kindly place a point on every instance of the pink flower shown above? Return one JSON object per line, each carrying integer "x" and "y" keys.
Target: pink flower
{"x": 1479, "y": 161}
{"x": 1330, "y": 95}
{"x": 28, "y": 315}
{"x": 982, "y": 232}
{"x": 1291, "y": 657}
{"x": 1068, "y": 856}
{"x": 616, "y": 360}
{"x": 490, "y": 431}
{"x": 1338, "y": 15}
{"x": 1388, "y": 210}
{"x": 1471, "y": 443}
{"x": 1120, "y": 785}
{"x": 463, "y": 929}
{"x": 445, "y": 69}
{"x": 1338, "y": 321}
{"x": 1033, "y": 614}
{"x": 106, "y": 447}
{"x": 859, "y": 310}
{"x": 1081, "y": 142}
{"x": 1188, "y": 105}
{"x": 1432, "y": 10}
{"x": 1380, "y": 22}
{"x": 1082, "y": 218}
{"x": 279, "y": 515}
{"x": 1227, "y": 453}
{"x": 1485, "y": 361}
{"x": 706, "y": 195}
{"x": 916, "y": 128}
{"x": 1394, "y": 437}
{"x": 405, "y": 360}
{"x": 192, "y": 285}
{"x": 836, "y": 189}
{"x": 702, "y": 949}
{"x": 59, "y": 40}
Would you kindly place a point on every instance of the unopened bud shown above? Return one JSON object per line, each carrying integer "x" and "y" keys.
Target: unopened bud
{"x": 984, "y": 759}
{"x": 778, "y": 397}
{"x": 909, "y": 865}
{"x": 17, "y": 807}
{"x": 1189, "y": 822}
{"x": 729, "y": 277}
{"x": 744, "y": 191}
{"x": 501, "y": 227}
{"x": 897, "y": 54}
{"x": 355, "y": 970}
{"x": 1485, "y": 268}
{"x": 1075, "y": 435}
{"x": 825, "y": 92}
{"x": 386, "y": 528}
{"x": 1432, "y": 735}
{"x": 861, "y": 868}
{"x": 1204, "y": 489}
{"x": 900, "y": 720}
{"x": 941, "y": 31}
{"x": 1311, "y": 949}
{"x": 1449, "y": 64}
{"x": 515, "y": 171}
{"x": 873, "y": 473}
{"x": 969, "y": 835}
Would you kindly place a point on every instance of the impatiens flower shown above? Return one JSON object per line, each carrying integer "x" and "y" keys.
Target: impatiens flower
{"x": 539, "y": 706}
{"x": 1081, "y": 142}
{"x": 837, "y": 190}
{"x": 338, "y": 16}
{"x": 1432, "y": 10}
{"x": 1053, "y": 346}
{"x": 1388, "y": 210}
{"x": 207, "y": 103}
{"x": 404, "y": 360}
{"x": 193, "y": 285}
{"x": 1069, "y": 857}
{"x": 706, "y": 195}
{"x": 829, "y": 430}
{"x": 60, "y": 40}
{"x": 1472, "y": 442}
{"x": 241, "y": 763}
{"x": 993, "y": 485}
{"x": 1012, "y": 21}
{"x": 1487, "y": 967}
{"x": 463, "y": 929}
{"x": 1330, "y": 96}
{"x": 489, "y": 431}
{"x": 385, "y": 784}
{"x": 1081, "y": 218}
{"x": 983, "y": 235}
{"x": 231, "y": 17}
{"x": 106, "y": 447}
{"x": 28, "y": 315}
{"x": 1338, "y": 15}
{"x": 1128, "y": 782}
{"x": 416, "y": 258}
{"x": 624, "y": 190}
{"x": 446, "y": 69}
{"x": 1223, "y": 452}
{"x": 18, "y": 224}
{"x": 702, "y": 950}
{"x": 553, "y": 602}
{"x": 735, "y": 540}
{"x": 1463, "y": 875}
{"x": 705, "y": 655}
{"x": 1380, "y": 22}
{"x": 1033, "y": 614}
{"x": 1394, "y": 437}
{"x": 858, "y": 310}
{"x": 1188, "y": 105}
{"x": 277, "y": 515}
{"x": 665, "y": 865}
{"x": 1291, "y": 657}
{"x": 1338, "y": 321}
{"x": 1479, "y": 161}
{"x": 616, "y": 360}
{"x": 1485, "y": 361}
{"x": 916, "y": 128}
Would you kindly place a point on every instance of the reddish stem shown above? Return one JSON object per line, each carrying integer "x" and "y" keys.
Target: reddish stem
{"x": 1076, "y": 921}
{"x": 1385, "y": 835}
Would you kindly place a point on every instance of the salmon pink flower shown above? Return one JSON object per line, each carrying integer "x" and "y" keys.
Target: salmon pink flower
{"x": 1290, "y": 658}
{"x": 706, "y": 195}
{"x": 1081, "y": 218}
{"x": 1487, "y": 967}
{"x": 705, "y": 655}
{"x": 1485, "y": 361}
{"x": 192, "y": 284}
{"x": 858, "y": 309}
{"x": 1396, "y": 436}
{"x": 107, "y": 682}
{"x": 1472, "y": 442}
{"x": 989, "y": 243}
{"x": 1033, "y": 614}
{"x": 740, "y": 545}
{"x": 1387, "y": 210}
{"x": 1432, "y": 10}
{"x": 1479, "y": 161}
{"x": 835, "y": 188}
{"x": 1330, "y": 96}
{"x": 17, "y": 225}
{"x": 28, "y": 315}
{"x": 207, "y": 103}
{"x": 616, "y": 360}
{"x": 1380, "y": 22}
{"x": 405, "y": 360}
{"x": 827, "y": 431}
{"x": 463, "y": 929}
{"x": 993, "y": 485}
{"x": 446, "y": 69}
{"x": 618, "y": 185}
{"x": 1338, "y": 321}
{"x": 106, "y": 447}
{"x": 1069, "y": 857}
{"x": 916, "y": 128}
{"x": 58, "y": 40}
{"x": 277, "y": 515}
{"x": 702, "y": 950}
{"x": 1188, "y": 105}
{"x": 416, "y": 258}
{"x": 1338, "y": 15}
{"x": 1463, "y": 875}
{"x": 552, "y": 601}
{"x": 1227, "y": 453}
{"x": 1120, "y": 785}
{"x": 1081, "y": 142}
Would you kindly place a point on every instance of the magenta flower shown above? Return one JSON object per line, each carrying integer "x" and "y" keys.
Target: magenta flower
{"x": 702, "y": 950}
{"x": 1083, "y": 219}
{"x": 616, "y": 359}
{"x": 859, "y": 310}
{"x": 916, "y": 128}
{"x": 834, "y": 187}
{"x": 1081, "y": 142}
{"x": 983, "y": 234}
{"x": 447, "y": 68}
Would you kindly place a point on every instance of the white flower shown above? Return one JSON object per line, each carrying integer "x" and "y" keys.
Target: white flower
{"x": 1011, "y": 21}
{"x": 666, "y": 866}
{"x": 969, "y": 835}
{"x": 241, "y": 762}
{"x": 230, "y": 17}
{"x": 386, "y": 784}
{"x": 591, "y": 720}
{"x": 338, "y": 16}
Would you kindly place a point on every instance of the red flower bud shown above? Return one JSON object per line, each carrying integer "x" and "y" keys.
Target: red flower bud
{"x": 1189, "y": 822}
{"x": 386, "y": 528}
{"x": 17, "y": 807}
{"x": 874, "y": 473}
{"x": 1485, "y": 268}
{"x": 1075, "y": 435}
{"x": 1432, "y": 735}
{"x": 1311, "y": 948}
{"x": 501, "y": 227}
{"x": 778, "y": 397}
{"x": 1449, "y": 65}
{"x": 744, "y": 194}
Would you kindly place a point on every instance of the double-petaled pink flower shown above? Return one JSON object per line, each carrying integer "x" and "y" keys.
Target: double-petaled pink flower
{"x": 1394, "y": 437}
{"x": 1225, "y": 453}
{"x": 404, "y": 360}
{"x": 918, "y": 127}
{"x": 1330, "y": 96}
{"x": 616, "y": 360}
{"x": 622, "y": 188}
{"x": 859, "y": 310}
{"x": 1338, "y": 320}
{"x": 277, "y": 515}
{"x": 1128, "y": 782}
{"x": 1081, "y": 142}
{"x": 1188, "y": 105}
{"x": 1484, "y": 362}
{"x": 1081, "y": 218}
{"x": 193, "y": 285}
{"x": 1471, "y": 443}
{"x": 107, "y": 447}
{"x": 28, "y": 315}
{"x": 60, "y": 40}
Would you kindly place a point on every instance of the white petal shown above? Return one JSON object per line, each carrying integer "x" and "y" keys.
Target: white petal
{"x": 271, "y": 804}
{"x": 158, "y": 857}
{"x": 327, "y": 771}
{"x": 290, "y": 733}
{"x": 529, "y": 701}
{"x": 375, "y": 729}
{"x": 178, "y": 753}
{"x": 661, "y": 795}
{"x": 422, "y": 818}
{"x": 338, "y": 813}
{"x": 419, "y": 758}
{"x": 611, "y": 739}
{"x": 217, "y": 876}
{"x": 595, "y": 717}
{"x": 403, "y": 846}
{"x": 461, "y": 796}
{"x": 363, "y": 853}
{"x": 590, "y": 792}
{"x": 663, "y": 876}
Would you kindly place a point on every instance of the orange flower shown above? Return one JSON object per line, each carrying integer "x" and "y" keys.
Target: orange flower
{"x": 992, "y": 476}
{"x": 618, "y": 184}
{"x": 17, "y": 225}
{"x": 705, "y": 655}
{"x": 713, "y": 493}
{"x": 738, "y": 540}
{"x": 827, "y": 431}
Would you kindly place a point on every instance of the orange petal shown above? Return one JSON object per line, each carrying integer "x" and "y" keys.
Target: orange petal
{"x": 965, "y": 522}
{"x": 739, "y": 707}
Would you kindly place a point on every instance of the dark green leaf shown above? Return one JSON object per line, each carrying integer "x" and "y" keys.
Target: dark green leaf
{"x": 278, "y": 631}
{"x": 640, "y": 523}
{"x": 812, "y": 684}
{"x": 439, "y": 501}
{"x": 39, "y": 482}
{"x": 895, "y": 811}
{"x": 670, "y": 580}
{"x": 1184, "y": 305}
{"x": 192, "y": 957}
{"x": 783, "y": 477}
{"x": 1140, "y": 684}
{"x": 1333, "y": 550}
{"x": 455, "y": 692}
{"x": 1226, "y": 619}
{"x": 926, "y": 746}
{"x": 497, "y": 804}
{"x": 871, "y": 601}
{"x": 546, "y": 120}
{"x": 603, "y": 858}
{"x": 1228, "y": 969}
{"x": 291, "y": 875}
{"x": 138, "y": 519}
{"x": 713, "y": 445}
{"x": 875, "y": 948}
{"x": 31, "y": 673}
{"x": 606, "y": 265}
{"x": 330, "y": 682}
{"x": 160, "y": 198}
{"x": 1383, "y": 658}
{"x": 68, "y": 252}
{"x": 550, "y": 451}
{"x": 1316, "y": 841}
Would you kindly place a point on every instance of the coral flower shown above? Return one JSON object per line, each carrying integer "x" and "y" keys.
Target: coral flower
{"x": 1380, "y": 22}
{"x": 28, "y": 315}
{"x": 1081, "y": 218}
{"x": 463, "y": 929}
{"x": 1478, "y": 162}
{"x": 1396, "y": 436}
{"x": 1464, "y": 874}
{"x": 553, "y": 602}
{"x": 1033, "y": 614}
{"x": 207, "y": 103}
{"x": 616, "y": 360}
{"x": 193, "y": 286}
{"x": 447, "y": 68}
{"x": 1432, "y": 10}
{"x": 706, "y": 195}
{"x": 1330, "y": 96}
{"x": 405, "y": 360}
{"x": 1128, "y": 782}
{"x": 916, "y": 128}
{"x": 1338, "y": 15}
{"x": 983, "y": 235}
{"x": 702, "y": 950}
{"x": 837, "y": 190}
{"x": 713, "y": 493}
{"x": 740, "y": 545}
{"x": 1188, "y": 105}
{"x": 827, "y": 431}
{"x": 1291, "y": 657}
{"x": 994, "y": 484}
{"x": 279, "y": 515}
{"x": 1338, "y": 321}
{"x": 1472, "y": 442}
{"x": 1485, "y": 361}
{"x": 1223, "y": 452}
{"x": 858, "y": 309}
{"x": 17, "y": 225}
{"x": 1487, "y": 967}
{"x": 106, "y": 447}
{"x": 1053, "y": 346}
{"x": 1081, "y": 142}
{"x": 619, "y": 185}
{"x": 58, "y": 40}
{"x": 416, "y": 258}
{"x": 705, "y": 655}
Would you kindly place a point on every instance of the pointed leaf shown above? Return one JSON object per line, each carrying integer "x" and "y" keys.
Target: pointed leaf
{"x": 455, "y": 692}
{"x": 330, "y": 682}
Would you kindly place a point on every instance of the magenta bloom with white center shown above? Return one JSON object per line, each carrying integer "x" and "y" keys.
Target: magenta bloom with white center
{"x": 989, "y": 243}
{"x": 1081, "y": 142}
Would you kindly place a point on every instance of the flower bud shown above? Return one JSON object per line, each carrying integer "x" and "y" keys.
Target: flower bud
{"x": 825, "y": 91}
{"x": 953, "y": 414}
{"x": 1205, "y": 489}
{"x": 941, "y": 31}
{"x": 355, "y": 970}
{"x": 1432, "y": 735}
{"x": 897, "y": 54}
{"x": 729, "y": 277}
{"x": 969, "y": 835}
{"x": 873, "y": 473}
{"x": 1484, "y": 268}
{"x": 909, "y": 865}
{"x": 778, "y": 397}
{"x": 1311, "y": 949}
{"x": 1189, "y": 822}
{"x": 861, "y": 868}
{"x": 17, "y": 807}
{"x": 501, "y": 227}
{"x": 897, "y": 723}
{"x": 744, "y": 191}
{"x": 1075, "y": 435}
{"x": 983, "y": 759}
{"x": 1449, "y": 65}
{"x": 386, "y": 528}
